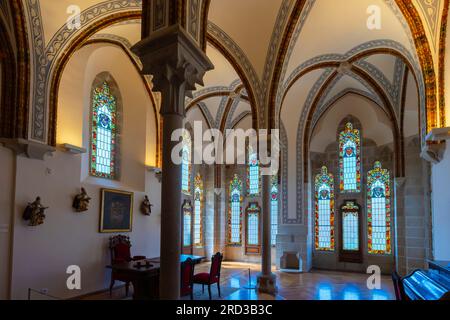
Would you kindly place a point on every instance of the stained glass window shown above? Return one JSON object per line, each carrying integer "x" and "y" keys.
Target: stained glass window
{"x": 350, "y": 159}
{"x": 324, "y": 211}
{"x": 103, "y": 133}
{"x": 253, "y": 173}
{"x": 253, "y": 224}
{"x": 350, "y": 226}
{"x": 234, "y": 216}
{"x": 186, "y": 163}
{"x": 379, "y": 210}
{"x": 274, "y": 209}
{"x": 187, "y": 224}
{"x": 198, "y": 209}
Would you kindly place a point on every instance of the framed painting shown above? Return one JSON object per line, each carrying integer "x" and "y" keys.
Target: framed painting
{"x": 116, "y": 213}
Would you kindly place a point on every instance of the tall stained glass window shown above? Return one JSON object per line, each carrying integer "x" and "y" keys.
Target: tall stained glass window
{"x": 198, "y": 209}
{"x": 253, "y": 173}
{"x": 350, "y": 226}
{"x": 324, "y": 211}
{"x": 103, "y": 133}
{"x": 186, "y": 163}
{"x": 234, "y": 215}
{"x": 253, "y": 224}
{"x": 187, "y": 224}
{"x": 379, "y": 210}
{"x": 274, "y": 209}
{"x": 350, "y": 159}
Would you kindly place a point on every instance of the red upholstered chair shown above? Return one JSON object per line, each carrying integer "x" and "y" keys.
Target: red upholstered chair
{"x": 187, "y": 278}
{"x": 398, "y": 287}
{"x": 213, "y": 276}
{"x": 120, "y": 252}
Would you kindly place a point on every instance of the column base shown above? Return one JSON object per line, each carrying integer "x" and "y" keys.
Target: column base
{"x": 267, "y": 283}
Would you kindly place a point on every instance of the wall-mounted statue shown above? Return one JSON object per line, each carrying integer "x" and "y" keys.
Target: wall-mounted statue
{"x": 34, "y": 212}
{"x": 146, "y": 207}
{"x": 81, "y": 201}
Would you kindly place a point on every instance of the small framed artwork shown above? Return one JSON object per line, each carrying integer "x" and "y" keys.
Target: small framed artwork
{"x": 116, "y": 213}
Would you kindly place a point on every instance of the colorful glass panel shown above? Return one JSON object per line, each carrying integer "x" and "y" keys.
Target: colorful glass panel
{"x": 234, "y": 215}
{"x": 187, "y": 225}
{"x": 198, "y": 209}
{"x": 350, "y": 227}
{"x": 324, "y": 211}
{"x": 253, "y": 173}
{"x": 379, "y": 210}
{"x": 103, "y": 133}
{"x": 186, "y": 163}
{"x": 253, "y": 225}
{"x": 274, "y": 209}
{"x": 350, "y": 159}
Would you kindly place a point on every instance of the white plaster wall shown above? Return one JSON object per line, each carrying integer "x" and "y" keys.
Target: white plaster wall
{"x": 441, "y": 207}
{"x": 42, "y": 254}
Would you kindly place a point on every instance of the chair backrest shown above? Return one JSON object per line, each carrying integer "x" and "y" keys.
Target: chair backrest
{"x": 187, "y": 277}
{"x": 120, "y": 248}
{"x": 398, "y": 286}
{"x": 216, "y": 264}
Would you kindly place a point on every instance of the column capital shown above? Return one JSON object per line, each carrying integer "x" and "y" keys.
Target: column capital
{"x": 177, "y": 64}
{"x": 433, "y": 151}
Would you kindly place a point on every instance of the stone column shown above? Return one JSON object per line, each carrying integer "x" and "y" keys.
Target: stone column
{"x": 266, "y": 280}
{"x": 177, "y": 64}
{"x": 399, "y": 225}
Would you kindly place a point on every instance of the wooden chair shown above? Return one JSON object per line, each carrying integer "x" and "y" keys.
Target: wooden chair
{"x": 398, "y": 287}
{"x": 120, "y": 247}
{"x": 187, "y": 278}
{"x": 213, "y": 276}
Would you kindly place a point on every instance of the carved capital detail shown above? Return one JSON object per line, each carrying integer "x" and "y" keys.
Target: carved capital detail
{"x": 435, "y": 146}
{"x": 176, "y": 63}
{"x": 433, "y": 152}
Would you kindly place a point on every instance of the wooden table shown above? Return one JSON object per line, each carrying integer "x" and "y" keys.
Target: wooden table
{"x": 145, "y": 279}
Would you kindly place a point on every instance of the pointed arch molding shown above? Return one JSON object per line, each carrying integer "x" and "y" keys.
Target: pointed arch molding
{"x": 125, "y": 46}
{"x": 354, "y": 58}
{"x": 435, "y": 117}
{"x": 50, "y": 59}
{"x": 15, "y": 71}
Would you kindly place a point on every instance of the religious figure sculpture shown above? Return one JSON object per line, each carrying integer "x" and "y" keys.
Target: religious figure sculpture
{"x": 34, "y": 213}
{"x": 81, "y": 201}
{"x": 146, "y": 207}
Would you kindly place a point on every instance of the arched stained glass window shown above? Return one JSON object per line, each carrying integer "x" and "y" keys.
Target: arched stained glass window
{"x": 198, "y": 210}
{"x": 350, "y": 226}
{"x": 324, "y": 211}
{"x": 350, "y": 159}
{"x": 103, "y": 133}
{"x": 379, "y": 210}
{"x": 252, "y": 173}
{"x": 234, "y": 215}
{"x": 274, "y": 209}
{"x": 186, "y": 163}
{"x": 187, "y": 224}
{"x": 253, "y": 224}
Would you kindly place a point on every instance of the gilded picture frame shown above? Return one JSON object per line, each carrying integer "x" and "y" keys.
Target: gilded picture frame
{"x": 116, "y": 212}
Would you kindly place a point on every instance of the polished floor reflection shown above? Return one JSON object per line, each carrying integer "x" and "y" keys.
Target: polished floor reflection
{"x": 315, "y": 285}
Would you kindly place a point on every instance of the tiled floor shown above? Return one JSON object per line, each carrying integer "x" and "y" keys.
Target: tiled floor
{"x": 315, "y": 285}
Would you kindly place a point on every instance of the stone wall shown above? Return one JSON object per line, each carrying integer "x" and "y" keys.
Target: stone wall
{"x": 370, "y": 153}
{"x": 413, "y": 211}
